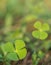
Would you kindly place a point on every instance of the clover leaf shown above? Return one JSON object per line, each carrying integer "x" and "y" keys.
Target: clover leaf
{"x": 12, "y": 56}
{"x": 37, "y": 25}
{"x": 45, "y": 27}
{"x": 7, "y": 47}
{"x": 40, "y": 33}
{"x": 36, "y": 34}
{"x": 20, "y": 49}
{"x": 14, "y": 52}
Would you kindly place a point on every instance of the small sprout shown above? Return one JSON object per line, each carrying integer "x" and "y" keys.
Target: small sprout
{"x": 37, "y": 56}
{"x": 41, "y": 54}
{"x": 40, "y": 33}
{"x": 34, "y": 56}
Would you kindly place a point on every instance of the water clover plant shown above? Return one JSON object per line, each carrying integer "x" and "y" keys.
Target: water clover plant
{"x": 40, "y": 33}
{"x": 14, "y": 51}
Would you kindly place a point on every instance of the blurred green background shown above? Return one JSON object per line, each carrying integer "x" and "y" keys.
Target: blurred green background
{"x": 16, "y": 22}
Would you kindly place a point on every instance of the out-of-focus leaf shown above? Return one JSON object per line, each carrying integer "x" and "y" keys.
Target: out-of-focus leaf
{"x": 34, "y": 56}
{"x": 46, "y": 44}
{"x": 45, "y": 27}
{"x": 8, "y": 23}
{"x": 36, "y": 34}
{"x": 41, "y": 54}
{"x": 19, "y": 44}
{"x": 7, "y": 47}
{"x": 22, "y": 53}
{"x": 37, "y": 24}
{"x": 1, "y": 56}
{"x": 27, "y": 39}
{"x": 12, "y": 57}
{"x": 29, "y": 18}
{"x": 43, "y": 35}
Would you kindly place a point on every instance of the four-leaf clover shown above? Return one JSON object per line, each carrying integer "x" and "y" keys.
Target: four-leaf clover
{"x": 40, "y": 33}
{"x": 14, "y": 52}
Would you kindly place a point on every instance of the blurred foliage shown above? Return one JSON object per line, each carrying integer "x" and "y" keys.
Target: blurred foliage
{"x": 36, "y": 57}
{"x": 40, "y": 33}
{"x": 26, "y": 21}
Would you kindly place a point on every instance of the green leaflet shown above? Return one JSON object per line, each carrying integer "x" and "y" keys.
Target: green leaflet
{"x": 36, "y": 34}
{"x": 43, "y": 35}
{"x": 22, "y": 53}
{"x": 7, "y": 47}
{"x": 12, "y": 56}
{"x": 37, "y": 25}
{"x": 45, "y": 27}
{"x": 19, "y": 44}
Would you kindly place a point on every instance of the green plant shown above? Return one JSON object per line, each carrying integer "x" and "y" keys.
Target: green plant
{"x": 37, "y": 56}
{"x": 13, "y": 51}
{"x": 40, "y": 33}
{"x": 23, "y": 12}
